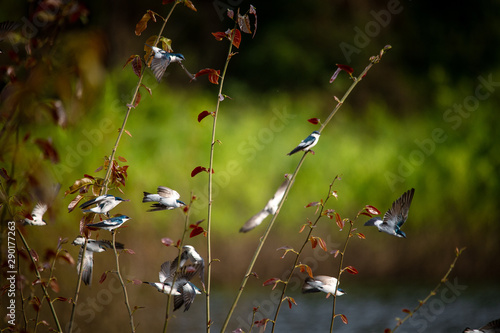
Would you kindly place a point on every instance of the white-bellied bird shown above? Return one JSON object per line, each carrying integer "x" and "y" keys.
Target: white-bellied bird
{"x": 324, "y": 283}
{"x": 395, "y": 217}
{"x": 307, "y": 143}
{"x": 110, "y": 224}
{"x": 270, "y": 208}
{"x": 36, "y": 217}
{"x": 491, "y": 327}
{"x": 161, "y": 60}
{"x": 166, "y": 199}
{"x": 88, "y": 261}
{"x": 104, "y": 203}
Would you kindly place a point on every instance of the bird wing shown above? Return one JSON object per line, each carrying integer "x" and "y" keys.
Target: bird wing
{"x": 188, "y": 294}
{"x": 493, "y": 326}
{"x": 88, "y": 262}
{"x": 166, "y": 273}
{"x": 168, "y": 192}
{"x": 38, "y": 211}
{"x": 96, "y": 200}
{"x": 398, "y": 213}
{"x": 254, "y": 221}
{"x": 272, "y": 204}
{"x": 159, "y": 66}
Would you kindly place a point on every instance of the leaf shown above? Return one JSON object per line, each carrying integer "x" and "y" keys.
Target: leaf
{"x": 60, "y": 298}
{"x": 197, "y": 170}
{"x": 54, "y": 285}
{"x": 128, "y": 133}
{"x": 253, "y": 11}
{"x": 122, "y": 159}
{"x": 287, "y": 249}
{"x": 78, "y": 184}
{"x": 219, "y": 35}
{"x": 236, "y": 38}
{"x": 196, "y": 231}
{"x": 322, "y": 244}
{"x": 74, "y": 203}
{"x": 129, "y": 251}
{"x": 103, "y": 277}
{"x": 339, "y": 221}
{"x": 167, "y": 241}
{"x": 244, "y": 23}
{"x": 305, "y": 268}
{"x": 290, "y": 301}
{"x": 68, "y": 258}
{"x": 137, "y": 99}
{"x": 137, "y": 66}
{"x": 387, "y": 330}
{"x": 406, "y": 311}
{"x": 4, "y": 174}
{"x": 203, "y": 114}
{"x": 314, "y": 242}
{"x": 364, "y": 213}
{"x": 142, "y": 24}
{"x": 372, "y": 210}
{"x": 271, "y": 281}
{"x": 346, "y": 68}
{"x": 213, "y": 75}
{"x": 34, "y": 255}
{"x": 312, "y": 204}
{"x": 351, "y": 270}
{"x": 147, "y": 89}
{"x": 344, "y": 318}
{"x": 314, "y": 121}
{"x": 230, "y": 13}
{"x": 48, "y": 150}
{"x": 360, "y": 235}
{"x": 189, "y": 5}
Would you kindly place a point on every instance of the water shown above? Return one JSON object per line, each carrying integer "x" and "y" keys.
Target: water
{"x": 368, "y": 309}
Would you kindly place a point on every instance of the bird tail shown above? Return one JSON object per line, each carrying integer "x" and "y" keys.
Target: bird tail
{"x": 307, "y": 288}
{"x": 296, "y": 149}
{"x": 155, "y": 207}
{"x": 371, "y": 222}
{"x": 146, "y": 198}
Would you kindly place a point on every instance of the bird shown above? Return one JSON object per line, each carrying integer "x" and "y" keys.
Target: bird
{"x": 36, "y": 217}
{"x": 166, "y": 199}
{"x": 104, "y": 203}
{"x": 189, "y": 252}
{"x": 270, "y": 208}
{"x": 161, "y": 60}
{"x": 188, "y": 291}
{"x": 88, "y": 261}
{"x": 491, "y": 327}
{"x": 110, "y": 224}
{"x": 395, "y": 217}
{"x": 324, "y": 283}
{"x": 307, "y": 143}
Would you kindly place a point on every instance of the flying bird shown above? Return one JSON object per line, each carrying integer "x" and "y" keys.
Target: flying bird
{"x": 166, "y": 199}
{"x": 110, "y": 224}
{"x": 88, "y": 260}
{"x": 104, "y": 203}
{"x": 270, "y": 208}
{"x": 161, "y": 60}
{"x": 324, "y": 283}
{"x": 491, "y": 327}
{"x": 189, "y": 252}
{"x": 307, "y": 143}
{"x": 395, "y": 217}
{"x": 188, "y": 291}
{"x": 36, "y": 217}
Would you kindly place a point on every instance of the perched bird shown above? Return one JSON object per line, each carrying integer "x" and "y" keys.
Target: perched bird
{"x": 189, "y": 252}
{"x": 307, "y": 143}
{"x": 36, "y": 215}
{"x": 110, "y": 224}
{"x": 270, "y": 208}
{"x": 161, "y": 60}
{"x": 491, "y": 327}
{"x": 88, "y": 261}
{"x": 166, "y": 199}
{"x": 104, "y": 203}
{"x": 395, "y": 217}
{"x": 324, "y": 283}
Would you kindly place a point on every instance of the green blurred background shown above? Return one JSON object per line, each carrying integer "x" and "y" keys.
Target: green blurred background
{"x": 424, "y": 117}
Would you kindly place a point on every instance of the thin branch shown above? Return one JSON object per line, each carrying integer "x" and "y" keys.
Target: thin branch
{"x": 78, "y": 286}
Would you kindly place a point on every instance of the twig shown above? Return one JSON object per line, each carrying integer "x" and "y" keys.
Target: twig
{"x": 433, "y": 292}
{"x": 78, "y": 286}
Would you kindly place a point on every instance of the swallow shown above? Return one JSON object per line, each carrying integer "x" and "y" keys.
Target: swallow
{"x": 166, "y": 199}
{"x": 307, "y": 143}
{"x": 491, "y": 327}
{"x": 161, "y": 60}
{"x": 324, "y": 283}
{"x": 36, "y": 217}
{"x": 395, "y": 217}
{"x": 270, "y": 208}
{"x": 88, "y": 261}
{"x": 104, "y": 203}
{"x": 110, "y": 224}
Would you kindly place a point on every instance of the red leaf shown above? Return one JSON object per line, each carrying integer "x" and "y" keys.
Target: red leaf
{"x": 314, "y": 121}
{"x": 387, "y": 330}
{"x": 312, "y": 204}
{"x": 137, "y": 99}
{"x": 197, "y": 170}
{"x": 132, "y": 57}
{"x": 196, "y": 231}
{"x": 137, "y": 66}
{"x": 254, "y": 13}
{"x": 346, "y": 68}
{"x": 236, "y": 38}
{"x": 142, "y": 24}
{"x": 203, "y": 114}
{"x": 230, "y": 13}
{"x": 244, "y": 23}
{"x": 54, "y": 285}
{"x": 48, "y": 150}
{"x": 339, "y": 221}
{"x": 344, "y": 319}
{"x": 213, "y": 75}
{"x": 372, "y": 210}
{"x": 74, "y": 203}
{"x": 406, "y": 311}
{"x": 62, "y": 299}
{"x": 290, "y": 301}
{"x": 366, "y": 214}
{"x": 103, "y": 277}
{"x": 219, "y": 35}
{"x": 271, "y": 281}
{"x": 351, "y": 270}
{"x": 314, "y": 242}
{"x": 360, "y": 235}
{"x": 322, "y": 244}
{"x": 167, "y": 241}
{"x": 122, "y": 159}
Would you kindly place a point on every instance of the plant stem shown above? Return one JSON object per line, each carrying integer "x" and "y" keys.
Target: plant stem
{"x": 44, "y": 289}
{"x": 78, "y": 286}
{"x": 297, "y": 256}
{"x": 113, "y": 233}
{"x": 433, "y": 292}
{"x": 210, "y": 185}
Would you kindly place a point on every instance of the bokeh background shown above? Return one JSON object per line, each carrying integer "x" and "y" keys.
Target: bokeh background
{"x": 424, "y": 117}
